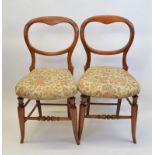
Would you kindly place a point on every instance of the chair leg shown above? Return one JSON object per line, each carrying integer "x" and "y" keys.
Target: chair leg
{"x": 82, "y": 114}
{"x": 134, "y": 110}
{"x": 21, "y": 115}
{"x": 88, "y": 105}
{"x": 118, "y": 106}
{"x": 73, "y": 115}
{"x": 39, "y": 108}
{"x": 68, "y": 110}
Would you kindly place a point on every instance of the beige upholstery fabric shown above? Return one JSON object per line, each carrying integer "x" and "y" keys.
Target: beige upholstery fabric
{"x": 108, "y": 82}
{"x": 47, "y": 84}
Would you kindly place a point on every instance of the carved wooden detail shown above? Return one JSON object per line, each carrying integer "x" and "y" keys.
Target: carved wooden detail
{"x": 47, "y": 118}
{"x": 106, "y": 20}
{"x": 108, "y": 117}
{"x": 51, "y": 20}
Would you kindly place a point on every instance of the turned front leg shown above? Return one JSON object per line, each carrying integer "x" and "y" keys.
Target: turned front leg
{"x": 82, "y": 112}
{"x": 73, "y": 115}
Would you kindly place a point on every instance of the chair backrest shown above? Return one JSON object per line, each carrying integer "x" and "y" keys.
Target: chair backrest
{"x": 108, "y": 19}
{"x": 51, "y": 20}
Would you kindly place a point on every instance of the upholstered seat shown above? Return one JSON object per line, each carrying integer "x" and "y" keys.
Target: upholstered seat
{"x": 108, "y": 82}
{"x": 47, "y": 84}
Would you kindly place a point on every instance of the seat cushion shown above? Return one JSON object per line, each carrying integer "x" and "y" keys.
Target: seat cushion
{"x": 47, "y": 84}
{"x": 108, "y": 82}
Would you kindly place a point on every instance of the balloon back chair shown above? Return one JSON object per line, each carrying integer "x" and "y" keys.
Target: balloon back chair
{"x": 48, "y": 83}
{"x": 107, "y": 81}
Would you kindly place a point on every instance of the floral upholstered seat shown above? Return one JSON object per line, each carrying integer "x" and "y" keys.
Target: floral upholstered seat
{"x": 47, "y": 84}
{"x": 108, "y": 82}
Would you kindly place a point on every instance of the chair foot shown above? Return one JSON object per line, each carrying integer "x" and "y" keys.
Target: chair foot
{"x": 21, "y": 115}
{"x": 73, "y": 115}
{"x": 118, "y": 106}
{"x": 134, "y": 110}
{"x": 82, "y": 115}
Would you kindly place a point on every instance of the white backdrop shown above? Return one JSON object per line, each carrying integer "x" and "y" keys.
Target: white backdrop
{"x": 16, "y": 61}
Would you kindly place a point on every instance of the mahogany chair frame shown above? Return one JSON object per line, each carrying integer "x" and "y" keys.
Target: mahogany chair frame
{"x": 71, "y": 107}
{"x": 85, "y": 100}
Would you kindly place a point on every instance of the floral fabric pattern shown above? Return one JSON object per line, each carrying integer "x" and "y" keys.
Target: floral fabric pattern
{"x": 108, "y": 82}
{"x": 47, "y": 84}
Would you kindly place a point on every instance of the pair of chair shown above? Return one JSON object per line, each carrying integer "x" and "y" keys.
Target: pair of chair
{"x": 58, "y": 83}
